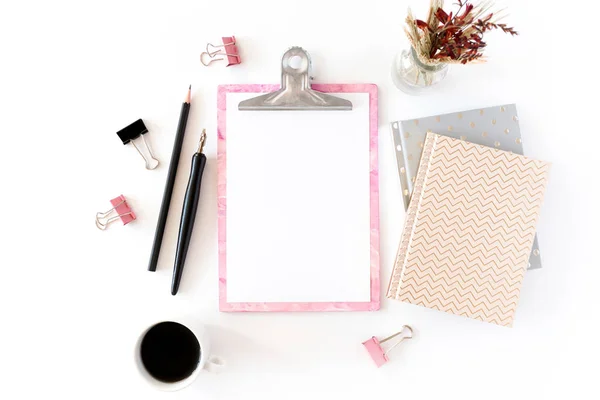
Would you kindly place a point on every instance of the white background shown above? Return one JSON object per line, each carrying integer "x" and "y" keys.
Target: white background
{"x": 73, "y": 298}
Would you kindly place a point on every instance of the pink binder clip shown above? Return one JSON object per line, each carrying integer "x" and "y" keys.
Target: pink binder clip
{"x": 375, "y": 350}
{"x": 228, "y": 49}
{"x": 120, "y": 208}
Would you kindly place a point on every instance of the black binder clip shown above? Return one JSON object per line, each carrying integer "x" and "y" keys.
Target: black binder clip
{"x": 134, "y": 131}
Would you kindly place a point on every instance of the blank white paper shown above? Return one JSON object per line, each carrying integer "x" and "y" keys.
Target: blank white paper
{"x": 298, "y": 209}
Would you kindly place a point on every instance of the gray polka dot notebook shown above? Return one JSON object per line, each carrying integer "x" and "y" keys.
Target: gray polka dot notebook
{"x": 496, "y": 127}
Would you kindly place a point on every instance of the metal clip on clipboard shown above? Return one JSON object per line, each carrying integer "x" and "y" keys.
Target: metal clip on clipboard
{"x": 295, "y": 93}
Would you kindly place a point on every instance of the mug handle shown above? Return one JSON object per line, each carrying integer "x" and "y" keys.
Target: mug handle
{"x": 214, "y": 364}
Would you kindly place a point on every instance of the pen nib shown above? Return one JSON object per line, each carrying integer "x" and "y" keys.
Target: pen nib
{"x": 202, "y": 141}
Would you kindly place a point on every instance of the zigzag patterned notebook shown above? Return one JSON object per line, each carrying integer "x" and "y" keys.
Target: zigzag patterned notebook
{"x": 469, "y": 230}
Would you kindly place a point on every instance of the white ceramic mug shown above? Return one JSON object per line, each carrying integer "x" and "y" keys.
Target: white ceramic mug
{"x": 206, "y": 362}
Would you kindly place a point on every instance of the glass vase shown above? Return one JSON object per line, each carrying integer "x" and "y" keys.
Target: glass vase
{"x": 412, "y": 76}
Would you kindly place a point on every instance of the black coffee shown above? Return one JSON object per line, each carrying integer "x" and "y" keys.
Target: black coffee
{"x": 170, "y": 352}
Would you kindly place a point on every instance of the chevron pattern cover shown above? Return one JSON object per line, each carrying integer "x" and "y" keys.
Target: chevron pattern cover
{"x": 469, "y": 230}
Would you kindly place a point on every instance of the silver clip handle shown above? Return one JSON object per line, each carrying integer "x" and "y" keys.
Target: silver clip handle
{"x": 150, "y": 160}
{"x": 295, "y": 93}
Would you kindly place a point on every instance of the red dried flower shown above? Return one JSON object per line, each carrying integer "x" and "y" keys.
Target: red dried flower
{"x": 459, "y": 35}
{"x": 421, "y": 24}
{"x": 441, "y": 15}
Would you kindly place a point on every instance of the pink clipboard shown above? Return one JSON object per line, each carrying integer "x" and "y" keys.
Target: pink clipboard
{"x": 232, "y": 306}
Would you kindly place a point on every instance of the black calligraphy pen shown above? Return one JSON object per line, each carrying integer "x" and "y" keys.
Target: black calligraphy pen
{"x": 188, "y": 214}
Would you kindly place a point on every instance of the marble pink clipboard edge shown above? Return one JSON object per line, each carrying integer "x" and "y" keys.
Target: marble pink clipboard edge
{"x": 225, "y": 306}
